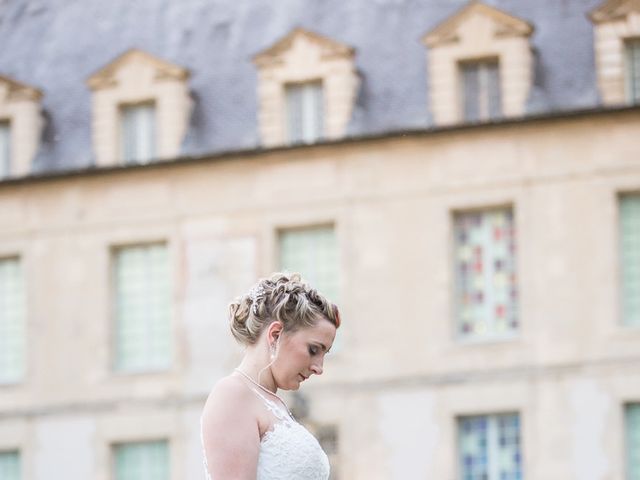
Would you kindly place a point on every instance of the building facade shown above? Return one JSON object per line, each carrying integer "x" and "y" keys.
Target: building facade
{"x": 462, "y": 178}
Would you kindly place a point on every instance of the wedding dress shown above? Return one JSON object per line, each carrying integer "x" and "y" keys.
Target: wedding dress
{"x": 288, "y": 451}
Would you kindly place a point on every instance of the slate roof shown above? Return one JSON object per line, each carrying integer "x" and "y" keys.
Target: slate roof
{"x": 55, "y": 45}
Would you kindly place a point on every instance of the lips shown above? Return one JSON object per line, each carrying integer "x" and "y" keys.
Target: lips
{"x": 302, "y": 377}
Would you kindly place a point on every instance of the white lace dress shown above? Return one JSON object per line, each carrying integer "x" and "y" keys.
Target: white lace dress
{"x": 288, "y": 451}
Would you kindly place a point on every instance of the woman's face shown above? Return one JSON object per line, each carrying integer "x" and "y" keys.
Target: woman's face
{"x": 301, "y": 354}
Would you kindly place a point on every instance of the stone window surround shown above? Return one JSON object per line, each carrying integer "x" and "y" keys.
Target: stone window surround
{"x": 301, "y": 57}
{"x": 20, "y": 107}
{"x": 137, "y": 77}
{"x": 615, "y": 23}
{"x": 475, "y": 33}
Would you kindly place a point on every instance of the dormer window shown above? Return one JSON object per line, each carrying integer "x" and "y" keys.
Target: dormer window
{"x": 307, "y": 89}
{"x": 20, "y": 127}
{"x": 305, "y": 112}
{"x": 617, "y": 48}
{"x": 480, "y": 83}
{"x": 141, "y": 109}
{"x": 138, "y": 132}
{"x": 632, "y": 53}
{"x": 5, "y": 149}
{"x": 480, "y": 65}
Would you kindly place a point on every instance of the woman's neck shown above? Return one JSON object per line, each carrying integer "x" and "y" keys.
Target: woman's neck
{"x": 256, "y": 370}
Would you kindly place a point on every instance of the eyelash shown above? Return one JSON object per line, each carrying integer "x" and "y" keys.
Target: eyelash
{"x": 313, "y": 351}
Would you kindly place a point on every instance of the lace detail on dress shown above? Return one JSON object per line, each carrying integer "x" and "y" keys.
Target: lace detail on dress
{"x": 288, "y": 451}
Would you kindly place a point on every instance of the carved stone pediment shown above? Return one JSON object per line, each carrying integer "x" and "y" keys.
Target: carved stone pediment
{"x": 505, "y": 25}
{"x": 327, "y": 47}
{"x": 614, "y": 10}
{"x": 11, "y": 90}
{"x": 106, "y": 76}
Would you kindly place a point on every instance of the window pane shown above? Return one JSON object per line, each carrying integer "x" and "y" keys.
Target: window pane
{"x": 485, "y": 273}
{"x": 5, "y": 149}
{"x": 481, "y": 92}
{"x": 633, "y": 70}
{"x": 630, "y": 258}
{"x": 138, "y": 133}
{"x": 142, "y": 461}
{"x": 12, "y": 321}
{"x": 632, "y": 421}
{"x": 142, "y": 308}
{"x": 305, "y": 116}
{"x": 312, "y": 252}
{"x": 9, "y": 466}
{"x": 489, "y": 447}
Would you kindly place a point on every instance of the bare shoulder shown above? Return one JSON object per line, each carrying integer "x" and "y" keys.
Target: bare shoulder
{"x": 229, "y": 393}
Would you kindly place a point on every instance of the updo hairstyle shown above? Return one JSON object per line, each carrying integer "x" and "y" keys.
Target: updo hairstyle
{"x": 283, "y": 297}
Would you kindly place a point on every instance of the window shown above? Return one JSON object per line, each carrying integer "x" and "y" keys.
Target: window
{"x": 12, "y": 321}
{"x": 5, "y": 149}
{"x": 480, "y": 90}
{"x": 138, "y": 133}
{"x": 304, "y": 112}
{"x": 489, "y": 447}
{"x": 630, "y": 258}
{"x": 312, "y": 252}
{"x": 632, "y": 49}
{"x": 9, "y": 465}
{"x": 632, "y": 422}
{"x": 142, "y": 308}
{"x": 142, "y": 461}
{"x": 485, "y": 274}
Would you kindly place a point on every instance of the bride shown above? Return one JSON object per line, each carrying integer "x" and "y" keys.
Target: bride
{"x": 247, "y": 429}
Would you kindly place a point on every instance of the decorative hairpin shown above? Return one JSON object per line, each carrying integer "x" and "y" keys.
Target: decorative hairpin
{"x": 256, "y": 294}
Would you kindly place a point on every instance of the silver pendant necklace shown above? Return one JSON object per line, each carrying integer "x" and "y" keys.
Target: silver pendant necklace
{"x": 245, "y": 375}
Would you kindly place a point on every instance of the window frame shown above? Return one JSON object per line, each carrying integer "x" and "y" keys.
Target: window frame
{"x": 306, "y": 112}
{"x": 122, "y": 107}
{"x": 484, "y": 94}
{"x": 512, "y": 335}
{"x": 5, "y": 382}
{"x": 630, "y": 87}
{"x": 114, "y": 367}
{"x": 115, "y": 445}
{"x": 6, "y": 163}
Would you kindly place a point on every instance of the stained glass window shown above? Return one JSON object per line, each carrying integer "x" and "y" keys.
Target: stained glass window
{"x": 486, "y": 296}
{"x": 142, "y": 308}
{"x": 12, "y": 321}
{"x": 489, "y": 447}
{"x": 9, "y": 466}
{"x": 142, "y": 461}
{"x": 630, "y": 258}
{"x": 632, "y": 420}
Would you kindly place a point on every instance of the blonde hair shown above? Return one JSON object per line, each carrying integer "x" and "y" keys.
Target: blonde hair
{"x": 283, "y": 297}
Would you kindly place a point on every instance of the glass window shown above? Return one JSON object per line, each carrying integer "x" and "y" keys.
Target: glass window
{"x": 12, "y": 321}
{"x": 632, "y": 49}
{"x": 485, "y": 274}
{"x": 142, "y": 308}
{"x": 5, "y": 149}
{"x": 328, "y": 438}
{"x": 312, "y": 252}
{"x": 481, "y": 97}
{"x": 9, "y": 465}
{"x": 630, "y": 258}
{"x": 632, "y": 421}
{"x": 489, "y": 447}
{"x": 305, "y": 112}
{"x": 138, "y": 133}
{"x": 142, "y": 461}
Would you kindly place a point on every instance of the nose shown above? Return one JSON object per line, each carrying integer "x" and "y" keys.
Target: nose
{"x": 317, "y": 367}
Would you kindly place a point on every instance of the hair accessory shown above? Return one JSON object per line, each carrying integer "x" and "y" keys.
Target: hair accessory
{"x": 256, "y": 294}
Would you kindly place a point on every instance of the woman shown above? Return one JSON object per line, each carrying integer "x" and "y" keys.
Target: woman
{"x": 247, "y": 429}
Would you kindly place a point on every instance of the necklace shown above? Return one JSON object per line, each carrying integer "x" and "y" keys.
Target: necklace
{"x": 245, "y": 375}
